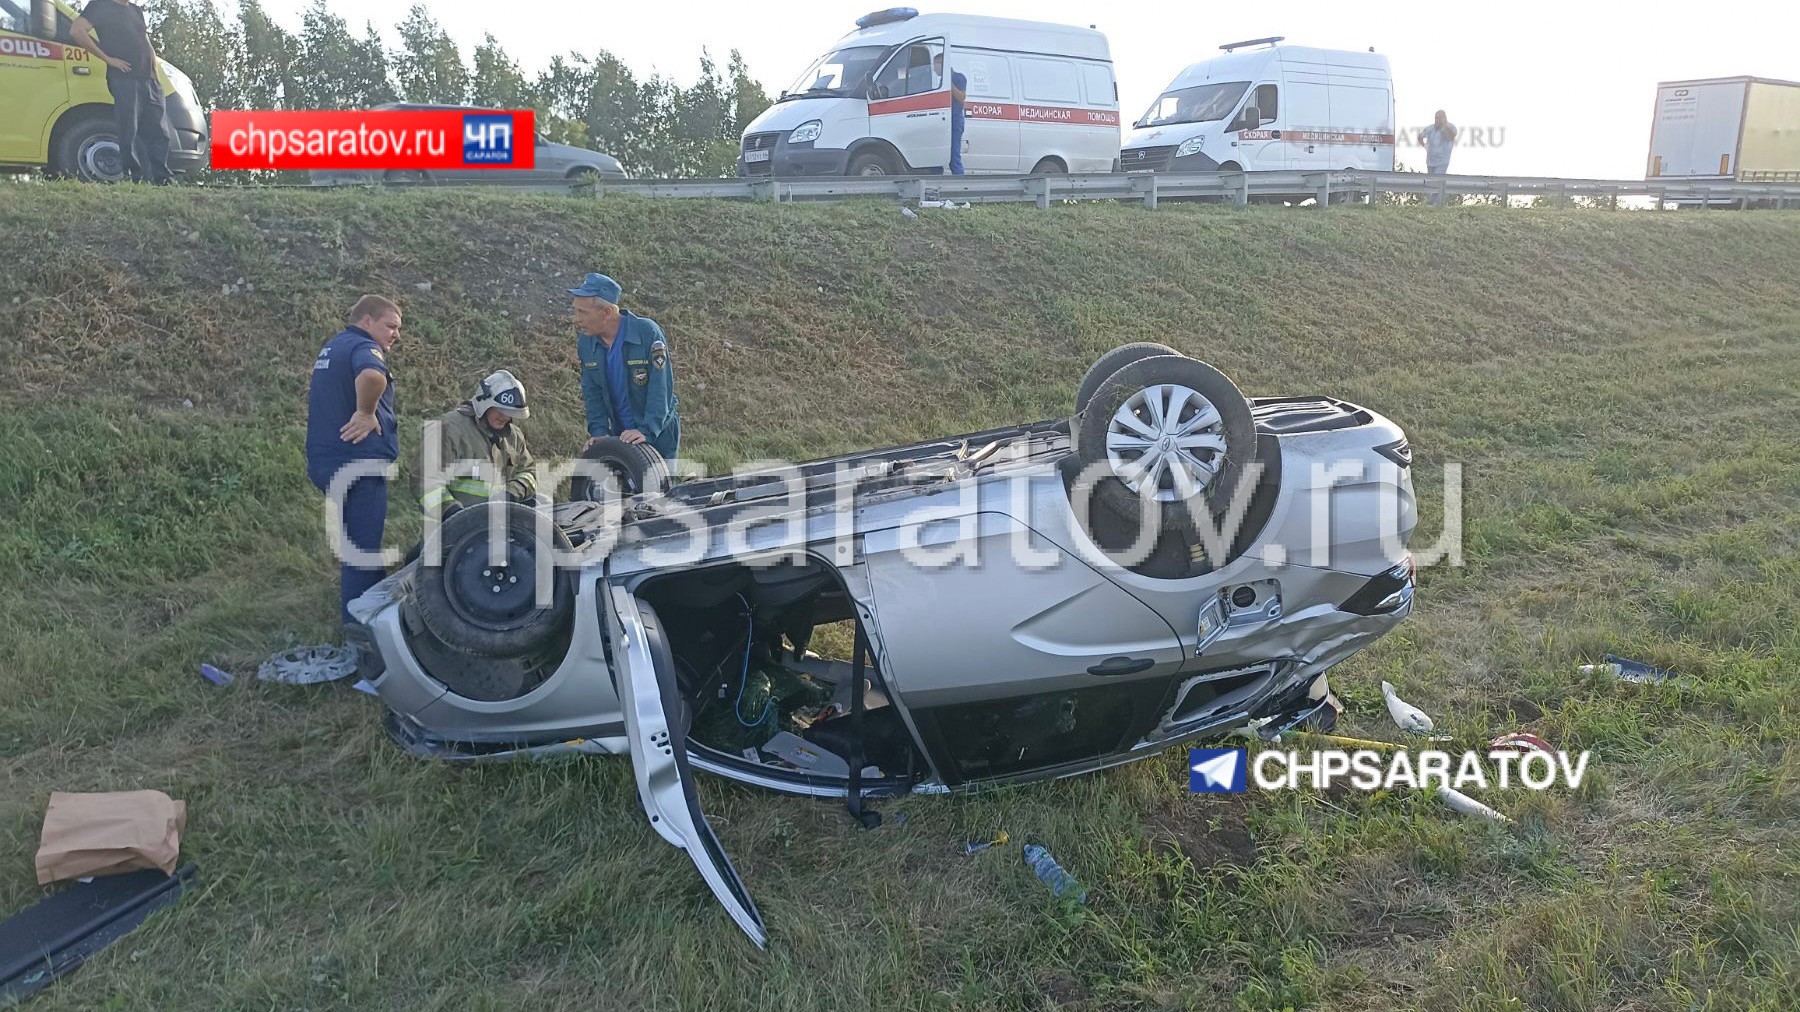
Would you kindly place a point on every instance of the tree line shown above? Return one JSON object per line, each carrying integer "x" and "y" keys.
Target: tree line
{"x": 654, "y": 126}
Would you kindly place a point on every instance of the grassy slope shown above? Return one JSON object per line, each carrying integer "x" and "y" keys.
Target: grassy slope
{"x": 1620, "y": 387}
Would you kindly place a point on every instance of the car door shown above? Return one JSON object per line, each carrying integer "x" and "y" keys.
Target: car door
{"x": 1307, "y": 113}
{"x": 1014, "y": 665}
{"x": 548, "y": 161}
{"x": 1363, "y": 125}
{"x": 657, "y": 721}
{"x": 911, "y": 105}
{"x": 991, "y": 113}
{"x": 1259, "y": 146}
{"x": 34, "y": 83}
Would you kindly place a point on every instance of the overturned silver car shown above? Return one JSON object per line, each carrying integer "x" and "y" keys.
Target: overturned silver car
{"x": 1172, "y": 561}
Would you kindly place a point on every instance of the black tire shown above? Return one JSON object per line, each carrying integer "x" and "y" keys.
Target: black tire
{"x": 1049, "y": 167}
{"x": 638, "y": 466}
{"x": 1234, "y": 425}
{"x": 81, "y": 151}
{"x": 1112, "y": 362}
{"x": 484, "y": 610}
{"x": 871, "y": 163}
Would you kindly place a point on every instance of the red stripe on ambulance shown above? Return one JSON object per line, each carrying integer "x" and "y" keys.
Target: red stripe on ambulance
{"x": 999, "y": 110}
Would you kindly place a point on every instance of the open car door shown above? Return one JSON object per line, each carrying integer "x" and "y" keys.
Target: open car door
{"x": 657, "y": 721}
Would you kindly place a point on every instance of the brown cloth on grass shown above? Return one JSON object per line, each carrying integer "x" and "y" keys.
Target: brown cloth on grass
{"x": 105, "y": 834}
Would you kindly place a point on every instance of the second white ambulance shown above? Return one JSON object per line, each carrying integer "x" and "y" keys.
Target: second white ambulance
{"x": 1041, "y": 98}
{"x": 1273, "y": 107}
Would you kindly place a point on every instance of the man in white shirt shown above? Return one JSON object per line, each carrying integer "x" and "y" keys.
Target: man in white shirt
{"x": 1439, "y": 138}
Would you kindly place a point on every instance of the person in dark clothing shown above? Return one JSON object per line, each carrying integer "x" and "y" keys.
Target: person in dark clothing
{"x": 138, "y": 112}
{"x": 959, "y": 96}
{"x": 350, "y": 422}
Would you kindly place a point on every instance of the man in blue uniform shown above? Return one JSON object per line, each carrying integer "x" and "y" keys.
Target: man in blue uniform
{"x": 350, "y": 421}
{"x": 959, "y": 95}
{"x": 627, "y": 377}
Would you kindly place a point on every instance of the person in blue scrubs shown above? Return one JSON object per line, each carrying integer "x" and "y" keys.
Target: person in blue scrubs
{"x": 350, "y": 420}
{"x": 959, "y": 94}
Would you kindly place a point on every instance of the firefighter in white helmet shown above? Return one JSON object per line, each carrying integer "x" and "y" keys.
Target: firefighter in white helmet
{"x": 483, "y": 428}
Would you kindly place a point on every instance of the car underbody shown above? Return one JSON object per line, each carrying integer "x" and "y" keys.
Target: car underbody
{"x": 929, "y": 618}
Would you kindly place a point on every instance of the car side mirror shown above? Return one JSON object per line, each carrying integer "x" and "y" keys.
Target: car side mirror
{"x": 1250, "y": 118}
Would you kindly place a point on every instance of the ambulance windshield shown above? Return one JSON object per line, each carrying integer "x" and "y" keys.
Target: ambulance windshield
{"x": 1199, "y": 104}
{"x": 838, "y": 72}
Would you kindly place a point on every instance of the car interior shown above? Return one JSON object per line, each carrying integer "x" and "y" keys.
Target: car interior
{"x": 765, "y": 656}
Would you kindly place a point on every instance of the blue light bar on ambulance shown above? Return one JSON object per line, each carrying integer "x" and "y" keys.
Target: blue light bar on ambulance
{"x": 888, "y": 16}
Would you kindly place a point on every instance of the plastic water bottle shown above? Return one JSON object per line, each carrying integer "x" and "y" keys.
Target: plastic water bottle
{"x": 1602, "y": 669}
{"x": 1059, "y": 880}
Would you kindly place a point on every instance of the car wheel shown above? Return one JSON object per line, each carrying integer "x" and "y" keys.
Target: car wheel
{"x": 1112, "y": 362}
{"x": 1049, "y": 167}
{"x": 872, "y": 163}
{"x": 1167, "y": 434}
{"x": 489, "y": 610}
{"x": 638, "y": 468}
{"x": 88, "y": 150}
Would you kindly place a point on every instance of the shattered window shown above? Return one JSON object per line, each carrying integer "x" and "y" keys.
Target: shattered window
{"x": 1007, "y": 736}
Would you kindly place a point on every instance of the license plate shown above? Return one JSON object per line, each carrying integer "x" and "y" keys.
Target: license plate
{"x": 756, "y": 156}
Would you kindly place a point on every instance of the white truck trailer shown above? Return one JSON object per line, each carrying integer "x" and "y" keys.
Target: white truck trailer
{"x": 1732, "y": 129}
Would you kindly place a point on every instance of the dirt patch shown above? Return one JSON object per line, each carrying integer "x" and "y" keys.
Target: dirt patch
{"x": 1524, "y": 709}
{"x": 1209, "y": 833}
{"x": 1063, "y": 990}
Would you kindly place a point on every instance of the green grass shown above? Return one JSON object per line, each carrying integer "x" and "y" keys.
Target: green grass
{"x": 1620, "y": 389}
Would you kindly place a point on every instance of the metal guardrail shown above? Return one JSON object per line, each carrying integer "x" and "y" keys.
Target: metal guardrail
{"x": 1149, "y": 188}
{"x": 1237, "y": 187}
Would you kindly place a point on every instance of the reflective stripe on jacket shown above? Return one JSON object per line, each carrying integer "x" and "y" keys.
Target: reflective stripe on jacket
{"x": 463, "y": 437}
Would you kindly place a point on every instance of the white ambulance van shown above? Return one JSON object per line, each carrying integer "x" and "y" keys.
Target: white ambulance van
{"x": 1273, "y": 107}
{"x": 1041, "y": 98}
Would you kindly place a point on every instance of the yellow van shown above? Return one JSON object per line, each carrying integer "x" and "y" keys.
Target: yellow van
{"x": 59, "y": 115}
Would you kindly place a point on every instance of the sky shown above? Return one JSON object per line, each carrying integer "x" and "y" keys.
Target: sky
{"x": 1565, "y": 87}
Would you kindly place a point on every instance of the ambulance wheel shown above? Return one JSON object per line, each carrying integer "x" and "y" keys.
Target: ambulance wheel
{"x": 871, "y": 163}
{"x": 489, "y": 610}
{"x": 1049, "y": 167}
{"x": 88, "y": 150}
{"x": 1167, "y": 435}
{"x": 637, "y": 468}
{"x": 1110, "y": 363}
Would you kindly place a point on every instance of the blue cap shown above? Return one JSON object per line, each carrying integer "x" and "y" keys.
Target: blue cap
{"x": 598, "y": 286}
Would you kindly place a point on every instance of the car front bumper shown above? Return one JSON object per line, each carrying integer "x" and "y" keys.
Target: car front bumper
{"x": 187, "y": 126}
{"x": 796, "y": 160}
